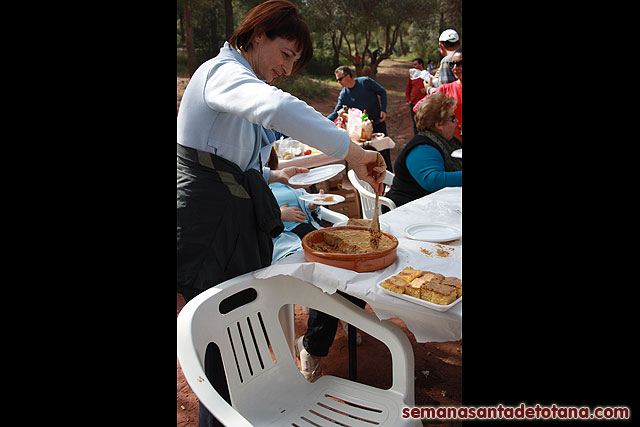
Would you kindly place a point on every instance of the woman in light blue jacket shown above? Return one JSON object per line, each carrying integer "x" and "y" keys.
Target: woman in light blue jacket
{"x": 226, "y": 213}
{"x": 225, "y": 131}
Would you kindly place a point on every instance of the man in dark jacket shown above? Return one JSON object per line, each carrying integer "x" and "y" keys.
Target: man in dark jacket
{"x": 363, "y": 93}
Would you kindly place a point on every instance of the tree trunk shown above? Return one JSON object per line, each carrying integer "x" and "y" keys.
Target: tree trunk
{"x": 191, "y": 56}
{"x": 228, "y": 18}
{"x": 336, "y": 44}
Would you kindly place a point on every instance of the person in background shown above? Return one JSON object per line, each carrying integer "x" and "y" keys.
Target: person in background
{"x": 415, "y": 90}
{"x": 425, "y": 164}
{"x": 376, "y": 53}
{"x": 430, "y": 66}
{"x": 363, "y": 93}
{"x": 448, "y": 43}
{"x": 453, "y": 89}
{"x": 297, "y": 218}
{"x": 226, "y": 213}
{"x": 297, "y": 215}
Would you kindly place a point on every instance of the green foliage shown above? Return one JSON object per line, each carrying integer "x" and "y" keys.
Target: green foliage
{"x": 321, "y": 63}
{"x": 303, "y": 87}
{"x": 353, "y": 25}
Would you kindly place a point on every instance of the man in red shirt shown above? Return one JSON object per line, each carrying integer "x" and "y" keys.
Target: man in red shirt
{"x": 415, "y": 90}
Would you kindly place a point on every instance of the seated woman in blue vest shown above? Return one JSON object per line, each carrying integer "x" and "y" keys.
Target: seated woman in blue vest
{"x": 425, "y": 164}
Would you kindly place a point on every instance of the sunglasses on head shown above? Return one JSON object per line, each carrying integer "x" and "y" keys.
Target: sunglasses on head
{"x": 454, "y": 63}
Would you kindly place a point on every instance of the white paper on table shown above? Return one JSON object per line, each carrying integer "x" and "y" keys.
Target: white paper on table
{"x": 445, "y": 326}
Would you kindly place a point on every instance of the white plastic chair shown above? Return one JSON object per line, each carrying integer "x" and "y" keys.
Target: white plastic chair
{"x": 368, "y": 197}
{"x": 265, "y": 385}
{"x": 332, "y": 216}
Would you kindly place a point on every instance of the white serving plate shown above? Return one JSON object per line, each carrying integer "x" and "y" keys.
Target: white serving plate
{"x": 424, "y": 303}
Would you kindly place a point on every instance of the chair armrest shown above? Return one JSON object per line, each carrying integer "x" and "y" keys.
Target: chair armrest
{"x": 218, "y": 406}
{"x": 191, "y": 366}
{"x": 387, "y": 202}
{"x": 388, "y": 178}
{"x": 331, "y": 216}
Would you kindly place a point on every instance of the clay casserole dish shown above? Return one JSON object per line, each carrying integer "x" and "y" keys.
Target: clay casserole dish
{"x": 356, "y": 262}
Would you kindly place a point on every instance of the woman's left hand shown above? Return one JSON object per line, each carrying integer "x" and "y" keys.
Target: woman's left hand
{"x": 283, "y": 175}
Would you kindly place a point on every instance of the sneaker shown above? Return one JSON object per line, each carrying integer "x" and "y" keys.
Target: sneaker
{"x": 309, "y": 365}
{"x": 345, "y": 329}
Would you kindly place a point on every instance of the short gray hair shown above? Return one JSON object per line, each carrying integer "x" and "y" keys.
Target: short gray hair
{"x": 434, "y": 109}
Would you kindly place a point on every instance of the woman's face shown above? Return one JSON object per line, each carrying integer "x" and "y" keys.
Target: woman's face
{"x": 457, "y": 68}
{"x": 273, "y": 58}
{"x": 447, "y": 128}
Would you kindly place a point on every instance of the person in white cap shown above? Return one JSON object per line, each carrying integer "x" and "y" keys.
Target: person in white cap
{"x": 448, "y": 43}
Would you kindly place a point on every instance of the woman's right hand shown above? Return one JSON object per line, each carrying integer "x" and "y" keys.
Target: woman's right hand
{"x": 368, "y": 165}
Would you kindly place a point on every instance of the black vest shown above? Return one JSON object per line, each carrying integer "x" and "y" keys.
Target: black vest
{"x": 404, "y": 188}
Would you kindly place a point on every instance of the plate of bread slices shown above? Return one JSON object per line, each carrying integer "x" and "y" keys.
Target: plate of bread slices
{"x": 426, "y": 288}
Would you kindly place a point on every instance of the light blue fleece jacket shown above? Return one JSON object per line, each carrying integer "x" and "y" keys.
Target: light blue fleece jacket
{"x": 226, "y": 110}
{"x": 288, "y": 242}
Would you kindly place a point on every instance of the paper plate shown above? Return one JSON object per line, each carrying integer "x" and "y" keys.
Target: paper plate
{"x": 316, "y": 175}
{"x": 432, "y": 232}
{"x": 319, "y": 199}
{"x": 457, "y": 153}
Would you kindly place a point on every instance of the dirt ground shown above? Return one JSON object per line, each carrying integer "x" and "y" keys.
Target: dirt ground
{"x": 438, "y": 366}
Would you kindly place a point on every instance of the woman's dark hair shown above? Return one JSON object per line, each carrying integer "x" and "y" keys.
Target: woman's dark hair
{"x": 272, "y": 163}
{"x": 275, "y": 18}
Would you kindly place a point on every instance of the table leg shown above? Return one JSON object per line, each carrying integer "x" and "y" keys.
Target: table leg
{"x": 353, "y": 360}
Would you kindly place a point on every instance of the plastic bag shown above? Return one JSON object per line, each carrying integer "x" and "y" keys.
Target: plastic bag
{"x": 414, "y": 73}
{"x": 356, "y": 128}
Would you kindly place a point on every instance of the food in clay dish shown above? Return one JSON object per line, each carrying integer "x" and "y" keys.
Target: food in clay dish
{"x": 359, "y": 222}
{"x": 349, "y": 248}
{"x": 349, "y": 241}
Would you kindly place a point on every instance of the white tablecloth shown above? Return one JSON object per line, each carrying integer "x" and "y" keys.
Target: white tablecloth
{"x": 442, "y": 207}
